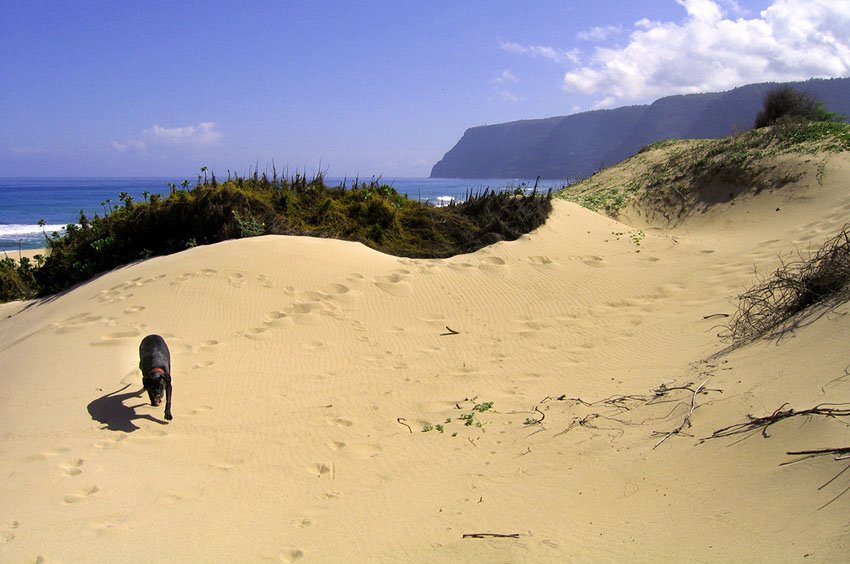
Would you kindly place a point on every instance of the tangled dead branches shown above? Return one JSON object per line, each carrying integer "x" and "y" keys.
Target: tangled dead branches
{"x": 764, "y": 422}
{"x": 794, "y": 286}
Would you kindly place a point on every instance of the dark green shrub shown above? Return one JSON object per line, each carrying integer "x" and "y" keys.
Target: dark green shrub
{"x": 371, "y": 213}
{"x": 790, "y": 105}
{"x": 17, "y": 280}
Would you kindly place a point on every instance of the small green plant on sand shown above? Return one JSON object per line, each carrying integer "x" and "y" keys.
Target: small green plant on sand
{"x": 637, "y": 238}
{"x": 467, "y": 418}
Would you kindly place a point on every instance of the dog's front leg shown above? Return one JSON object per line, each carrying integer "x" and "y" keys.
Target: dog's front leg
{"x": 168, "y": 398}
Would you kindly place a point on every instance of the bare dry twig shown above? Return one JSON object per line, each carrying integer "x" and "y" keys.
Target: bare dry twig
{"x": 840, "y": 453}
{"x": 687, "y": 420}
{"x": 490, "y": 536}
{"x": 764, "y": 422}
{"x": 794, "y": 286}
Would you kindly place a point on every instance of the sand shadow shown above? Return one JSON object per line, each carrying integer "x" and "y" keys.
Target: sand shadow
{"x": 112, "y": 411}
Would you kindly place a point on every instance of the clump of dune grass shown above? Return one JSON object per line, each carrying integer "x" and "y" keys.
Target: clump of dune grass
{"x": 370, "y": 212}
{"x": 773, "y": 305}
{"x": 675, "y": 178}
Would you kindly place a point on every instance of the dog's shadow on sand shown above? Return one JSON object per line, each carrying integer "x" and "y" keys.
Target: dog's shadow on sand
{"x": 112, "y": 411}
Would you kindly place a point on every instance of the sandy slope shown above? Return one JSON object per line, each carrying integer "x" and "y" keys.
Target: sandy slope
{"x": 305, "y": 371}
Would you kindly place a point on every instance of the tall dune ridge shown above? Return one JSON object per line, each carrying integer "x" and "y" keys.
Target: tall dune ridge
{"x": 547, "y": 399}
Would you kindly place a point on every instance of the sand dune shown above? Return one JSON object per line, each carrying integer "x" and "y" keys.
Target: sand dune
{"x": 306, "y": 370}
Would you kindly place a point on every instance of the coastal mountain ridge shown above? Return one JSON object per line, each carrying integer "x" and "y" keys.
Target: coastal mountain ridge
{"x": 574, "y": 146}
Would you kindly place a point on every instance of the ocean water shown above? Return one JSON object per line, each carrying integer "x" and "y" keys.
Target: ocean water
{"x": 58, "y": 201}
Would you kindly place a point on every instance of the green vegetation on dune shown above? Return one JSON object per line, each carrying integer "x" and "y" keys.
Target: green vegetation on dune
{"x": 371, "y": 213}
{"x": 672, "y": 178}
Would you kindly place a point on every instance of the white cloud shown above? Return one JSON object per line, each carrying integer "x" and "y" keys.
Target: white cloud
{"x": 132, "y": 144}
{"x": 597, "y": 34}
{"x": 790, "y": 40}
{"x": 27, "y": 151}
{"x": 508, "y": 96}
{"x": 505, "y": 78}
{"x": 202, "y": 135}
{"x": 534, "y": 51}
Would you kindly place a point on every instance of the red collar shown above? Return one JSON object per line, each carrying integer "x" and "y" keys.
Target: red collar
{"x": 158, "y": 370}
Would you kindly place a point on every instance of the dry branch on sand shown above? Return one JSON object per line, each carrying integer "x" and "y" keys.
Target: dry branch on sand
{"x": 794, "y": 287}
{"x": 764, "y": 422}
{"x": 840, "y": 453}
{"x": 621, "y": 404}
{"x": 686, "y": 421}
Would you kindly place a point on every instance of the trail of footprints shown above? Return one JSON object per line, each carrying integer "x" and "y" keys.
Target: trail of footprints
{"x": 301, "y": 309}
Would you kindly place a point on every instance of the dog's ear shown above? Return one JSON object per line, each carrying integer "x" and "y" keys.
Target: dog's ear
{"x": 167, "y": 378}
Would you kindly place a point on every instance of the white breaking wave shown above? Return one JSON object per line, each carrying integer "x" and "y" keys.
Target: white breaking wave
{"x": 20, "y": 230}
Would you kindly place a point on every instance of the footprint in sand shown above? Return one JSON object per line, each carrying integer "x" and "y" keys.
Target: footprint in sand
{"x": 6, "y": 533}
{"x": 304, "y": 308}
{"x": 135, "y": 309}
{"x": 265, "y": 281}
{"x": 256, "y": 333}
{"x": 338, "y": 289}
{"x": 302, "y": 522}
{"x": 493, "y": 266}
{"x": 171, "y": 499}
{"x": 118, "y": 337}
{"x": 494, "y": 261}
{"x": 329, "y": 495}
{"x": 540, "y": 260}
{"x": 290, "y": 554}
{"x": 275, "y": 318}
{"x": 339, "y": 422}
{"x": 77, "y": 497}
{"x": 460, "y": 265}
{"x": 228, "y": 464}
{"x": 80, "y": 320}
{"x": 201, "y": 409}
{"x": 107, "y": 444}
{"x": 395, "y": 284}
{"x": 49, "y": 453}
{"x": 321, "y": 469}
{"x": 203, "y": 364}
{"x": 110, "y": 524}
{"x": 73, "y": 468}
{"x": 593, "y": 260}
{"x": 236, "y": 279}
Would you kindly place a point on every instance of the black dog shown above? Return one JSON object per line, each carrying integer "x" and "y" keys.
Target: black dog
{"x": 155, "y": 364}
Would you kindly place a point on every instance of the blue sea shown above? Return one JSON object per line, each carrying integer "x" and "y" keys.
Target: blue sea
{"x": 58, "y": 201}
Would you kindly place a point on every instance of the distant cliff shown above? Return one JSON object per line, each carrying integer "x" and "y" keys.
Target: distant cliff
{"x": 571, "y": 147}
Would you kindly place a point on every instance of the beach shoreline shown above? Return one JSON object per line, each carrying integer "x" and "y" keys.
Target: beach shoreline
{"x": 16, "y": 255}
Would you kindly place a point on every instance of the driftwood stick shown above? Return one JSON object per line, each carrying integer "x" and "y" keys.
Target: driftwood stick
{"x": 490, "y": 536}
{"x": 450, "y": 332}
{"x": 402, "y": 420}
{"x": 686, "y": 420}
{"x": 820, "y": 451}
{"x": 765, "y": 422}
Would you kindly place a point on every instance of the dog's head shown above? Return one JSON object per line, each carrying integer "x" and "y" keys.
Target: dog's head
{"x": 155, "y": 384}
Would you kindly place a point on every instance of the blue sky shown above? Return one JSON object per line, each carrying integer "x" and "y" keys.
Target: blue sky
{"x": 90, "y": 88}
